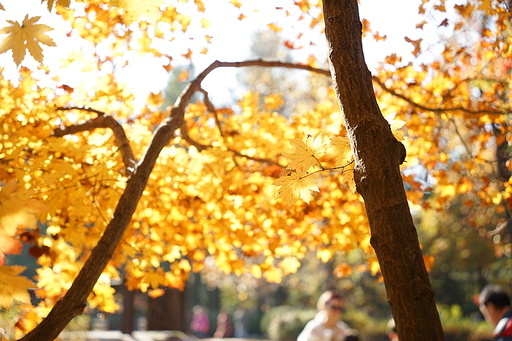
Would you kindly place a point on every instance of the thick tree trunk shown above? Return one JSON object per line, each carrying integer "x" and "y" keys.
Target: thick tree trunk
{"x": 378, "y": 156}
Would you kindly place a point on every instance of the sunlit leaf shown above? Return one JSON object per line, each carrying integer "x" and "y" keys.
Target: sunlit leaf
{"x": 305, "y": 154}
{"x": 296, "y": 185}
{"x": 25, "y": 37}
{"x": 13, "y": 288}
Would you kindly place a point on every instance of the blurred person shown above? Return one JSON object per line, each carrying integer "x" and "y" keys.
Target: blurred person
{"x": 327, "y": 326}
{"x": 240, "y": 320}
{"x": 200, "y": 324}
{"x": 392, "y": 334}
{"x": 224, "y": 326}
{"x": 494, "y": 303}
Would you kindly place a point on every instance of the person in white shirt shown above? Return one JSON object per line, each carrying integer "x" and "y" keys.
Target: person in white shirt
{"x": 327, "y": 326}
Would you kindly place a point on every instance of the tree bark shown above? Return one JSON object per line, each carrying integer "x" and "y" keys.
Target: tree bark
{"x": 378, "y": 156}
{"x": 167, "y": 312}
{"x": 74, "y": 301}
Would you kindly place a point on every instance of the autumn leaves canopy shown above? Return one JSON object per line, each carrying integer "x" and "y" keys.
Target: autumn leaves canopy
{"x": 227, "y": 187}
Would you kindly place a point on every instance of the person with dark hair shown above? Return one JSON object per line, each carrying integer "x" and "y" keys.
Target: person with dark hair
{"x": 327, "y": 326}
{"x": 494, "y": 303}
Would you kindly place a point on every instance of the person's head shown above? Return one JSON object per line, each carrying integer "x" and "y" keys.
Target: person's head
{"x": 493, "y": 302}
{"x": 331, "y": 302}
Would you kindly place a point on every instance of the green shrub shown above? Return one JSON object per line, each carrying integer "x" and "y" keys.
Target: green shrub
{"x": 285, "y": 322}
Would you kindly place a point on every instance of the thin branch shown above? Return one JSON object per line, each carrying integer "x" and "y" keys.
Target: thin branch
{"x": 435, "y": 110}
{"x": 264, "y": 63}
{"x": 211, "y": 108}
{"x": 329, "y": 169}
{"x": 257, "y": 159}
{"x": 457, "y": 132}
{"x": 102, "y": 121}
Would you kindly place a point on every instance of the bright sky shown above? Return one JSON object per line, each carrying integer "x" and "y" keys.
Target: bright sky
{"x": 232, "y": 38}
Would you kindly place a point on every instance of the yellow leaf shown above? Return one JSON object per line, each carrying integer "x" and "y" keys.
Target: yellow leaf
{"x": 17, "y": 208}
{"x": 133, "y": 10}
{"x": 154, "y": 278}
{"x": 274, "y": 27}
{"x": 340, "y": 150}
{"x": 324, "y": 255}
{"x": 273, "y": 102}
{"x": 305, "y": 154}
{"x": 348, "y": 178}
{"x": 26, "y": 36}
{"x": 13, "y": 287}
{"x": 235, "y": 3}
{"x": 395, "y": 125}
{"x": 273, "y": 275}
{"x": 63, "y": 3}
{"x": 416, "y": 44}
{"x": 289, "y": 265}
{"x": 343, "y": 270}
{"x": 486, "y": 6}
{"x": 296, "y": 185}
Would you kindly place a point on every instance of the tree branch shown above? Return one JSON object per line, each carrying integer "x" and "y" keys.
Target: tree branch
{"x": 435, "y": 110}
{"x": 75, "y": 299}
{"x": 265, "y": 63}
{"x": 102, "y": 121}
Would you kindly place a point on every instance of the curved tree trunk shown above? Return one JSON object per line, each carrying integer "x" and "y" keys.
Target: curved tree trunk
{"x": 378, "y": 156}
{"x": 74, "y": 301}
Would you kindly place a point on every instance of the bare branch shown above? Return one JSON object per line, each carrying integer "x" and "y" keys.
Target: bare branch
{"x": 265, "y": 63}
{"x": 102, "y": 121}
{"x": 435, "y": 110}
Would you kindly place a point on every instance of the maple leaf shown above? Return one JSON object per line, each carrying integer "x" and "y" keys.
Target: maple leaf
{"x": 416, "y": 44}
{"x": 348, "y": 178}
{"x": 305, "y": 154}
{"x": 395, "y": 125}
{"x": 13, "y": 287}
{"x": 26, "y": 36}
{"x": 16, "y": 208}
{"x": 296, "y": 185}
{"x": 50, "y": 3}
{"x": 340, "y": 150}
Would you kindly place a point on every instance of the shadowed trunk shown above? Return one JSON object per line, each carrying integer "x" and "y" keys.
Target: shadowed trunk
{"x": 378, "y": 156}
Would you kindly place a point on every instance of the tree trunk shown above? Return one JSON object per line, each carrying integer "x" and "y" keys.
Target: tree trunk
{"x": 128, "y": 312}
{"x": 378, "y": 156}
{"x": 74, "y": 301}
{"x": 167, "y": 312}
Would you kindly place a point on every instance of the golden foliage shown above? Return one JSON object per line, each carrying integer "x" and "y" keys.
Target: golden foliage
{"x": 210, "y": 195}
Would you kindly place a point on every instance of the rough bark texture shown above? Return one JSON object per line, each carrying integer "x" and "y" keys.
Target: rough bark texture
{"x": 378, "y": 156}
